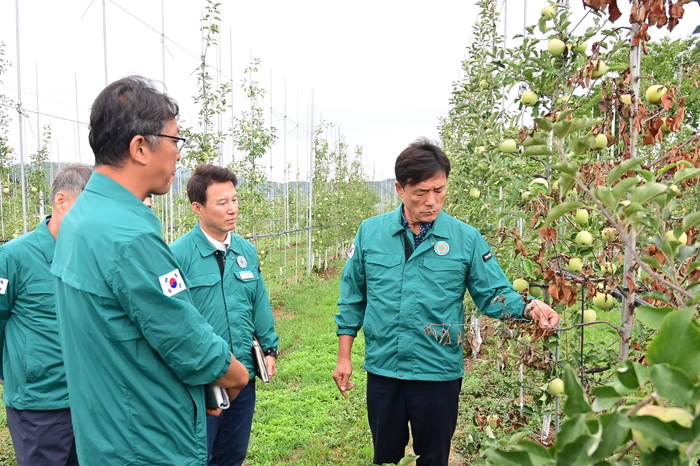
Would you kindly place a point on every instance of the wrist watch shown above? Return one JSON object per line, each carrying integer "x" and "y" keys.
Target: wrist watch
{"x": 272, "y": 352}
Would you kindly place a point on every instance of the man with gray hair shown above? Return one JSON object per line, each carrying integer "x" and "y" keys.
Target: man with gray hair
{"x": 36, "y": 393}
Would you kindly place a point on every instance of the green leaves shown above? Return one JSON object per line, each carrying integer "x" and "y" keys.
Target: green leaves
{"x": 678, "y": 344}
{"x": 561, "y": 209}
{"x": 576, "y": 402}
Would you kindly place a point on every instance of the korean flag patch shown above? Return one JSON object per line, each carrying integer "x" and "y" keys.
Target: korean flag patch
{"x": 3, "y": 285}
{"x": 172, "y": 283}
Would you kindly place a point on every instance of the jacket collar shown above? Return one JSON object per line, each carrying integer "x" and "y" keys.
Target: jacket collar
{"x": 439, "y": 229}
{"x": 47, "y": 244}
{"x": 205, "y": 247}
{"x": 107, "y": 187}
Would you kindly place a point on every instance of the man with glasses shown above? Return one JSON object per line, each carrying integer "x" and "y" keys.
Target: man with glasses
{"x": 137, "y": 352}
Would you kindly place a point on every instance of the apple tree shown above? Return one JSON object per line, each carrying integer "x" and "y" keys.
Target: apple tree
{"x": 590, "y": 139}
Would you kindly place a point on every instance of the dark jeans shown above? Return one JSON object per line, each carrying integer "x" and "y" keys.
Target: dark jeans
{"x": 42, "y": 437}
{"x": 228, "y": 434}
{"x": 429, "y": 407}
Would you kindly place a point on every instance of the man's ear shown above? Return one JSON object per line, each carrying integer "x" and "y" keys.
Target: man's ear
{"x": 399, "y": 189}
{"x": 61, "y": 202}
{"x": 197, "y": 209}
{"x": 139, "y": 148}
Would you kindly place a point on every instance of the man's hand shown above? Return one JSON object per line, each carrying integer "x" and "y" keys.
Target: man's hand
{"x": 214, "y": 412}
{"x": 542, "y": 314}
{"x": 271, "y": 364}
{"x": 233, "y": 392}
{"x": 341, "y": 375}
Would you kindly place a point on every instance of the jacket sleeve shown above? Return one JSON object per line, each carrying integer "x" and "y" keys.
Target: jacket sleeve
{"x": 173, "y": 327}
{"x": 353, "y": 291}
{"x": 489, "y": 287}
{"x": 8, "y": 295}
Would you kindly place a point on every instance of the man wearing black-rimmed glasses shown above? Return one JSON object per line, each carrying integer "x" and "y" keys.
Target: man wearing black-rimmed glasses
{"x": 137, "y": 352}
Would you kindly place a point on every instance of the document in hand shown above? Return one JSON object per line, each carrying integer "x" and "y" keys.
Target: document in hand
{"x": 260, "y": 365}
{"x": 216, "y": 397}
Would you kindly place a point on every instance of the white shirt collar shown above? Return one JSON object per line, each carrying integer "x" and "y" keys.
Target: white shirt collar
{"x": 218, "y": 244}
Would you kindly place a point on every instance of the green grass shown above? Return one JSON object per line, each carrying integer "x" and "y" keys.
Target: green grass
{"x": 301, "y": 419}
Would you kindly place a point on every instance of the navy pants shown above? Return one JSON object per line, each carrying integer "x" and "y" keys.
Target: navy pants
{"x": 429, "y": 407}
{"x": 228, "y": 434}
{"x": 42, "y": 437}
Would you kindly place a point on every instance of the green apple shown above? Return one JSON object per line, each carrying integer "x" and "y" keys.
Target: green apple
{"x": 625, "y": 203}
{"x": 555, "y": 387}
{"x": 483, "y": 84}
{"x": 536, "y": 292}
{"x": 575, "y": 265}
{"x": 671, "y": 237}
{"x": 480, "y": 150}
{"x": 584, "y": 239}
{"x": 474, "y": 192}
{"x": 581, "y": 216}
{"x": 610, "y": 234}
{"x": 528, "y": 98}
{"x": 555, "y": 185}
{"x": 626, "y": 99}
{"x": 33, "y": 189}
{"x": 526, "y": 195}
{"x": 599, "y": 69}
{"x": 601, "y": 142}
{"x": 520, "y": 285}
{"x": 581, "y": 47}
{"x": 6, "y": 190}
{"x": 654, "y": 93}
{"x": 589, "y": 315}
{"x": 508, "y": 146}
{"x": 665, "y": 128}
{"x": 556, "y": 47}
{"x": 603, "y": 301}
{"x": 547, "y": 12}
{"x": 539, "y": 181}
{"x": 493, "y": 421}
{"x": 608, "y": 268}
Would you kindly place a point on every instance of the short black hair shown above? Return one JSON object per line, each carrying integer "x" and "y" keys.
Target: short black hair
{"x": 420, "y": 161}
{"x": 127, "y": 108}
{"x": 204, "y": 176}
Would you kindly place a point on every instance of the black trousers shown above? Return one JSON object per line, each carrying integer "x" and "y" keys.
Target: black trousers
{"x": 42, "y": 437}
{"x": 429, "y": 407}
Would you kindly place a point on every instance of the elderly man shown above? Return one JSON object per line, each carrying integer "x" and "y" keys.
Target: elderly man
{"x": 36, "y": 394}
{"x": 405, "y": 269}
{"x": 137, "y": 352}
{"x": 228, "y": 289}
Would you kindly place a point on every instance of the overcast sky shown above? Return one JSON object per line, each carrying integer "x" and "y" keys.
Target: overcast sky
{"x": 380, "y": 70}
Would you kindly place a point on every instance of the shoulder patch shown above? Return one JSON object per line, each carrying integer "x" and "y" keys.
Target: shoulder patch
{"x": 351, "y": 251}
{"x": 486, "y": 257}
{"x": 172, "y": 283}
{"x": 3, "y": 285}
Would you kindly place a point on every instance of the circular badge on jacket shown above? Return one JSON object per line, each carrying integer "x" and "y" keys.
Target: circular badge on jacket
{"x": 441, "y": 248}
{"x": 242, "y": 263}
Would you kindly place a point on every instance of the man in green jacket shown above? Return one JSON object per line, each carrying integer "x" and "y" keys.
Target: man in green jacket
{"x": 228, "y": 289}
{"x": 35, "y": 393}
{"x": 406, "y": 269}
{"x": 137, "y": 352}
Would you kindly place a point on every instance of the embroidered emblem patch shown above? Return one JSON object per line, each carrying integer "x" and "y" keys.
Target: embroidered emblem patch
{"x": 172, "y": 283}
{"x": 486, "y": 257}
{"x": 441, "y": 248}
{"x": 351, "y": 251}
{"x": 242, "y": 262}
{"x": 3, "y": 285}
